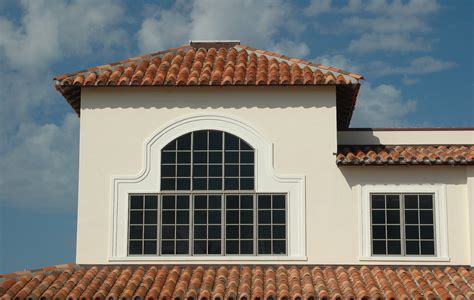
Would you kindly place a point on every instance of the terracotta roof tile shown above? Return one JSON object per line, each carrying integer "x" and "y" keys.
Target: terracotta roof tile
{"x": 213, "y": 64}
{"x": 240, "y": 282}
{"x": 406, "y": 155}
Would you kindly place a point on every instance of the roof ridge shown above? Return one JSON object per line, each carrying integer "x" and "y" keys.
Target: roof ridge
{"x": 27, "y": 272}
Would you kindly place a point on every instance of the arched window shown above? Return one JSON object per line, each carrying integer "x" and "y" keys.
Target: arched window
{"x": 207, "y": 204}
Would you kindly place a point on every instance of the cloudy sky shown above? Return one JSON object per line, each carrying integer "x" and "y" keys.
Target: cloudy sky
{"x": 416, "y": 57}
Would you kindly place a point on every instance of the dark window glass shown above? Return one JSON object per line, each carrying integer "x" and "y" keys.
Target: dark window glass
{"x": 136, "y": 202}
{"x": 136, "y": 232}
{"x": 149, "y": 247}
{"x": 427, "y": 248}
{"x": 135, "y": 247}
{"x": 379, "y": 247}
{"x": 150, "y": 232}
{"x": 136, "y": 217}
{"x": 151, "y": 202}
{"x": 394, "y": 247}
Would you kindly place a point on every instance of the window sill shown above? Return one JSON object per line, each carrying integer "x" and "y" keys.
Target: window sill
{"x": 405, "y": 258}
{"x": 206, "y": 259}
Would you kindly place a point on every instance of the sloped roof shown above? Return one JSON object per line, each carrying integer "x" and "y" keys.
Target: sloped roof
{"x": 214, "y": 64}
{"x": 405, "y": 155}
{"x": 240, "y": 282}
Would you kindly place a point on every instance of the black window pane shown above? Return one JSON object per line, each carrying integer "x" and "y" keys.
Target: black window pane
{"x": 214, "y": 202}
{"x": 167, "y": 184}
{"x": 411, "y": 201}
{"x": 168, "y": 202}
{"x": 183, "y": 184}
{"x": 246, "y": 247}
{"x": 215, "y": 157}
{"x": 182, "y": 232}
{"x": 393, "y": 217}
{"x": 393, "y": 201}
{"x": 149, "y": 247}
{"x": 167, "y": 247}
{"x": 200, "y": 157}
{"x": 426, "y": 232}
{"x": 200, "y": 184}
{"x": 200, "y": 247}
{"x": 264, "y": 247}
{"x": 378, "y": 231}
{"x": 426, "y": 201}
{"x": 246, "y": 202}
{"x": 427, "y": 248}
{"x": 214, "y": 247}
{"x": 231, "y": 142}
{"x": 245, "y": 146}
{"x": 378, "y": 247}
{"x": 279, "y": 247}
{"x": 264, "y": 232}
{"x": 215, "y": 140}
{"x": 168, "y": 217}
{"x": 200, "y": 140}
{"x": 168, "y": 157}
{"x": 182, "y": 202}
{"x": 231, "y": 157}
{"x": 200, "y": 202}
{"x": 411, "y": 232}
{"x": 279, "y": 232}
{"x": 170, "y": 146}
{"x": 232, "y": 170}
{"x": 136, "y": 217}
{"x": 168, "y": 170}
{"x": 214, "y": 232}
{"x": 184, "y": 170}
{"x": 411, "y": 217}
{"x": 412, "y": 248}
{"x": 200, "y": 217}
{"x": 279, "y": 201}
{"x": 200, "y": 232}
{"x": 426, "y": 217}
{"x": 378, "y": 217}
{"x": 167, "y": 232}
{"x": 393, "y": 232}
{"x": 215, "y": 170}
{"x": 215, "y": 184}
{"x": 150, "y": 232}
{"x": 246, "y": 157}
{"x": 278, "y": 217}
{"x": 246, "y": 232}
{"x": 232, "y": 202}
{"x": 232, "y": 247}
{"x": 214, "y": 217}
{"x": 232, "y": 232}
{"x": 378, "y": 201}
{"x": 200, "y": 170}
{"x": 184, "y": 142}
{"x": 184, "y": 157}
{"x": 232, "y": 217}
{"x": 136, "y": 202}
{"x": 135, "y": 247}
{"x": 136, "y": 232}
{"x": 264, "y": 217}
{"x": 246, "y": 170}
{"x": 232, "y": 184}
{"x": 151, "y": 202}
{"x": 151, "y": 217}
{"x": 393, "y": 247}
{"x": 264, "y": 201}
{"x": 246, "y": 184}
{"x": 182, "y": 247}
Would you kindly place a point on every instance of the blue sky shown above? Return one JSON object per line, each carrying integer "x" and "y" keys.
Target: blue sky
{"x": 416, "y": 57}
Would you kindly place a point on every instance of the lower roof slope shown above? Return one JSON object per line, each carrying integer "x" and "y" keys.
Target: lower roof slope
{"x": 239, "y": 282}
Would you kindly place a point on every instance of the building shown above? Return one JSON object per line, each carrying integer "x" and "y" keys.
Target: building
{"x": 215, "y": 170}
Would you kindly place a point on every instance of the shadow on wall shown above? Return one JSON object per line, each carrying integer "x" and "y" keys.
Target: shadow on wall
{"x": 226, "y": 97}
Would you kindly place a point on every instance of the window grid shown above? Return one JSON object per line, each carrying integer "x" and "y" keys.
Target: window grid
{"x": 393, "y": 218}
{"x": 143, "y": 224}
{"x": 271, "y": 222}
{"x": 207, "y": 224}
{"x": 167, "y": 231}
{"x": 239, "y": 224}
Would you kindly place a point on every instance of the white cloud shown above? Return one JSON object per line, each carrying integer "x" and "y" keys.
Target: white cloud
{"x": 370, "y": 42}
{"x": 48, "y": 30}
{"x": 417, "y": 66}
{"x": 317, "y": 7}
{"x": 337, "y": 61}
{"x": 381, "y": 106}
{"x": 255, "y": 23}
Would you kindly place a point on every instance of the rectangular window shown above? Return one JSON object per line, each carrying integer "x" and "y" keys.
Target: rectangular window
{"x": 207, "y": 224}
{"x": 402, "y": 224}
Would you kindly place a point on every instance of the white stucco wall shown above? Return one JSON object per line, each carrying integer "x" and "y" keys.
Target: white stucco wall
{"x": 301, "y": 124}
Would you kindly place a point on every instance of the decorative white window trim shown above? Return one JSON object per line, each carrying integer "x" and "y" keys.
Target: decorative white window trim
{"x": 266, "y": 181}
{"x": 440, "y": 214}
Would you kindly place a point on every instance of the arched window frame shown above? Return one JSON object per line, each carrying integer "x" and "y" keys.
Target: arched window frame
{"x": 266, "y": 181}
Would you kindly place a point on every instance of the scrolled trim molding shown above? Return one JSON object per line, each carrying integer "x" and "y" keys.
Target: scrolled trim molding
{"x": 266, "y": 180}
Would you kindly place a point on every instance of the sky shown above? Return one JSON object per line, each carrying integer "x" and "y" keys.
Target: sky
{"x": 415, "y": 55}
